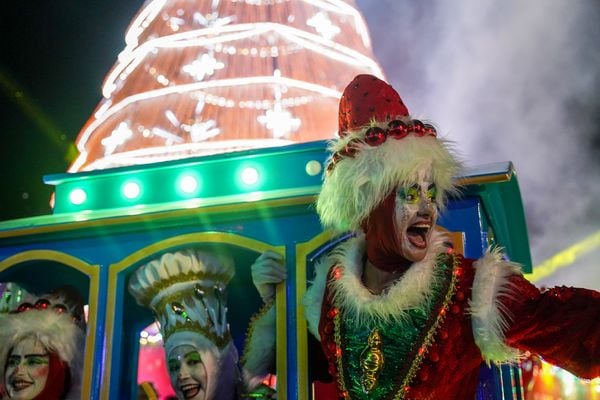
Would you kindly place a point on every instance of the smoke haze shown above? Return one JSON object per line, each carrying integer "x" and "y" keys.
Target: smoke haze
{"x": 510, "y": 80}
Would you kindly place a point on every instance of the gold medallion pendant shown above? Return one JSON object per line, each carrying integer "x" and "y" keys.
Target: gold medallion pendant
{"x": 371, "y": 361}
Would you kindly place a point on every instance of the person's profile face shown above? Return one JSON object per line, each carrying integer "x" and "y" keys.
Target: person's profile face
{"x": 27, "y": 370}
{"x": 188, "y": 373}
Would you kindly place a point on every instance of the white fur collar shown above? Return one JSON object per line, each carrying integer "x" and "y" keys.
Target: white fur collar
{"x": 491, "y": 285}
{"x": 412, "y": 290}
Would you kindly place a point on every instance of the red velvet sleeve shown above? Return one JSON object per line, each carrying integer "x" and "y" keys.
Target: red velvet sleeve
{"x": 561, "y": 324}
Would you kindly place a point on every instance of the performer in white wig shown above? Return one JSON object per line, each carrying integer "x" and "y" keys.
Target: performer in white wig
{"x": 41, "y": 349}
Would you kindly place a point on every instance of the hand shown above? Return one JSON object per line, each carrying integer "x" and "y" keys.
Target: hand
{"x": 267, "y": 271}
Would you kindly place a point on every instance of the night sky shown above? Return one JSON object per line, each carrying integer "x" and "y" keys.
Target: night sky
{"x": 53, "y": 58}
{"x": 507, "y": 80}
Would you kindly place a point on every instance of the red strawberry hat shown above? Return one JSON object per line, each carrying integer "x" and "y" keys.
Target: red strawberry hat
{"x": 367, "y": 99}
{"x": 380, "y": 147}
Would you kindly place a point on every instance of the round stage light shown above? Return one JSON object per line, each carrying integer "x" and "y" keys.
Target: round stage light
{"x": 188, "y": 184}
{"x": 131, "y": 190}
{"x": 249, "y": 176}
{"x": 77, "y": 196}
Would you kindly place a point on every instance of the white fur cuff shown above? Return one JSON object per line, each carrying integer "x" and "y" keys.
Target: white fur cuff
{"x": 490, "y": 317}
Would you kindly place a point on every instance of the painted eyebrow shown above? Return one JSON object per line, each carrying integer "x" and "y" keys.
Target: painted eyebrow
{"x": 417, "y": 186}
{"x": 26, "y": 356}
{"x": 192, "y": 353}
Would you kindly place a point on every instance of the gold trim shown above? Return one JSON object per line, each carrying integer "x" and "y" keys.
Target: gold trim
{"x": 428, "y": 340}
{"x": 481, "y": 179}
{"x": 143, "y": 216}
{"x": 154, "y": 248}
{"x": 281, "y": 341}
{"x": 92, "y": 271}
{"x": 302, "y": 252}
{"x": 415, "y": 364}
{"x": 252, "y": 327}
{"x": 189, "y": 277}
{"x": 148, "y": 390}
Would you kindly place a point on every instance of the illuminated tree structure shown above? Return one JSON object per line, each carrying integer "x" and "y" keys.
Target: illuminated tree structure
{"x": 200, "y": 77}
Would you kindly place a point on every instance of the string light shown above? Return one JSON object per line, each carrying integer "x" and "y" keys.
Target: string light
{"x": 323, "y": 25}
{"x": 279, "y": 121}
{"x": 235, "y": 82}
{"x": 117, "y": 138}
{"x": 129, "y": 61}
{"x": 202, "y": 130}
{"x": 141, "y": 22}
{"x": 166, "y": 135}
{"x": 178, "y": 54}
{"x": 158, "y": 154}
{"x": 206, "y": 65}
{"x": 212, "y": 20}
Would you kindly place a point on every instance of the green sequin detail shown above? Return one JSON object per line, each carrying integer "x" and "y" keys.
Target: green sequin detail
{"x": 399, "y": 340}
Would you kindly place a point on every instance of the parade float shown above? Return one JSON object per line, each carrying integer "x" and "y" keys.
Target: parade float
{"x": 211, "y": 134}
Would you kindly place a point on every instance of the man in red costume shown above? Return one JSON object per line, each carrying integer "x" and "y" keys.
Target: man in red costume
{"x": 398, "y": 313}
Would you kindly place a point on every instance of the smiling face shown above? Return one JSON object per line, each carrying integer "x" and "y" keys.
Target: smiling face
{"x": 188, "y": 373}
{"x": 27, "y": 370}
{"x": 415, "y": 216}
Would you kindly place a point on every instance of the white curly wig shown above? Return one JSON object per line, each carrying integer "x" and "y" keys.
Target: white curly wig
{"x": 57, "y": 332}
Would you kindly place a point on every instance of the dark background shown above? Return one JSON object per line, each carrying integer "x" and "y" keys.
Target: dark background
{"x": 507, "y": 80}
{"x": 53, "y": 58}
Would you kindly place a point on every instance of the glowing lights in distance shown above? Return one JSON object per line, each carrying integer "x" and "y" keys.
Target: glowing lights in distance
{"x": 195, "y": 184}
{"x": 249, "y": 176}
{"x": 77, "y": 196}
{"x": 131, "y": 190}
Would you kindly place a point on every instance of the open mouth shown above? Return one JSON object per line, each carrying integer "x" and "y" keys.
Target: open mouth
{"x": 417, "y": 234}
{"x": 190, "y": 390}
{"x": 20, "y": 384}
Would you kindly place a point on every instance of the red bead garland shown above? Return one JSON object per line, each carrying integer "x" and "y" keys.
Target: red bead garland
{"x": 397, "y": 129}
{"x": 376, "y": 136}
{"x": 42, "y": 304}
